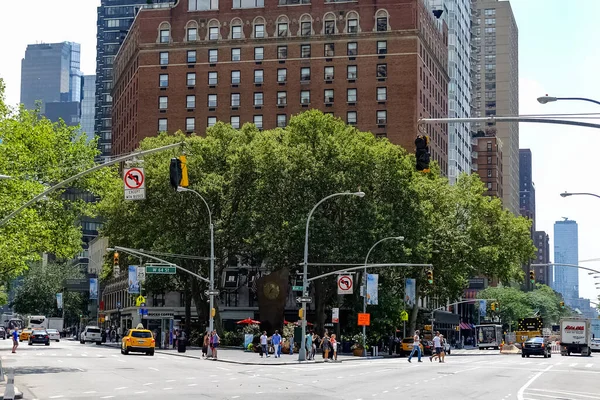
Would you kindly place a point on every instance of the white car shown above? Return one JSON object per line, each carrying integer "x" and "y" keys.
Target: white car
{"x": 595, "y": 345}
{"x": 447, "y": 348}
{"x": 54, "y": 334}
{"x": 91, "y": 334}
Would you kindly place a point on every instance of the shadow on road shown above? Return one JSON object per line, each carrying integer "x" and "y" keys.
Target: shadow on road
{"x": 42, "y": 370}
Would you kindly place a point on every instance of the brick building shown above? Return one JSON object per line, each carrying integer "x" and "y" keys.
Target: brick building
{"x": 487, "y": 162}
{"x": 378, "y": 64}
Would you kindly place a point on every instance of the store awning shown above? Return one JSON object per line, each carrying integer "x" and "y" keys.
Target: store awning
{"x": 464, "y": 325}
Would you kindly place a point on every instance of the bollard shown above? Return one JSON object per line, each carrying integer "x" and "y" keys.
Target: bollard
{"x": 1, "y": 372}
{"x": 9, "y": 393}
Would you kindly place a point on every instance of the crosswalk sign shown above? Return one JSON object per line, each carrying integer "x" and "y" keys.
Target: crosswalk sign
{"x": 139, "y": 300}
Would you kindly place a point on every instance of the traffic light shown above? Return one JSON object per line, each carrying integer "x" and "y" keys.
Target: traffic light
{"x": 532, "y": 277}
{"x": 116, "y": 258}
{"x": 422, "y": 153}
{"x": 178, "y": 173}
{"x": 301, "y": 313}
{"x": 493, "y": 306}
{"x": 562, "y": 304}
{"x": 213, "y": 312}
{"x": 430, "y": 276}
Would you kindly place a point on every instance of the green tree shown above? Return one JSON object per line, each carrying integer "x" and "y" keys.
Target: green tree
{"x": 37, "y": 153}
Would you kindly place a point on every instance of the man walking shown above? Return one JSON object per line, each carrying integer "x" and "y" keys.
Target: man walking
{"x": 15, "y": 337}
{"x": 276, "y": 341}
{"x": 437, "y": 345}
{"x": 416, "y": 347}
{"x": 263, "y": 344}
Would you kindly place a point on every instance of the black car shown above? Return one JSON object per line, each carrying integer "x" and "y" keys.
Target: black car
{"x": 536, "y": 346}
{"x": 2, "y": 333}
{"x": 39, "y": 337}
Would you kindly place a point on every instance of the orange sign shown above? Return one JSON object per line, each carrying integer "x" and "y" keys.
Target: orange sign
{"x": 364, "y": 319}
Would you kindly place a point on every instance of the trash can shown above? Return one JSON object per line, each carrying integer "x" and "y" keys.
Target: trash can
{"x": 181, "y": 346}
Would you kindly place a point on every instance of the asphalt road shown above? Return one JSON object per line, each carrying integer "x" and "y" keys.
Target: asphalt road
{"x": 69, "y": 370}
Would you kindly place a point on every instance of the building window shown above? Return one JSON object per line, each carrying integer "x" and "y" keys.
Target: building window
{"x": 258, "y": 76}
{"x": 328, "y": 97}
{"x": 191, "y": 56}
{"x": 490, "y": 30}
{"x": 381, "y": 117}
{"x": 351, "y": 95}
{"x": 162, "y": 124}
{"x": 489, "y": 185}
{"x": 212, "y": 100}
{"x": 352, "y": 22}
{"x": 305, "y": 51}
{"x": 381, "y": 70}
{"x": 259, "y": 30}
{"x": 382, "y": 21}
{"x": 235, "y": 99}
{"x": 281, "y": 75}
{"x": 352, "y": 48}
{"x": 165, "y": 35}
{"x": 329, "y": 26}
{"x": 191, "y": 79}
{"x": 282, "y": 29}
{"x": 236, "y": 31}
{"x": 213, "y": 56}
{"x": 203, "y": 5}
{"x": 352, "y": 72}
{"x": 351, "y": 117}
{"x": 489, "y": 173}
{"x": 235, "y": 77}
{"x": 489, "y": 146}
{"x": 258, "y": 99}
{"x": 281, "y": 98}
{"x": 163, "y": 102}
{"x": 236, "y": 54}
{"x": 381, "y": 94}
{"x": 211, "y": 121}
{"x": 281, "y": 120}
{"x": 382, "y": 47}
{"x": 190, "y": 101}
{"x": 235, "y": 122}
{"x": 490, "y": 21}
{"x": 259, "y": 53}
{"x": 164, "y": 58}
{"x": 489, "y": 11}
{"x": 305, "y": 25}
{"x": 248, "y": 3}
{"x": 258, "y": 121}
{"x": 328, "y": 73}
{"x": 305, "y": 74}
{"x": 212, "y": 78}
{"x": 163, "y": 80}
{"x": 192, "y": 34}
{"x": 329, "y": 50}
{"x": 305, "y": 97}
{"x": 489, "y": 160}
{"x": 190, "y": 124}
{"x": 282, "y": 52}
{"x": 213, "y": 33}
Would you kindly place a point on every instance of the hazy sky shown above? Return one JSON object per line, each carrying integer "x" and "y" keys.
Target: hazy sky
{"x": 557, "y": 55}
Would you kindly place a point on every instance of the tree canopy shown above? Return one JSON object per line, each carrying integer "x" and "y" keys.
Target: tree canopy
{"x": 260, "y": 186}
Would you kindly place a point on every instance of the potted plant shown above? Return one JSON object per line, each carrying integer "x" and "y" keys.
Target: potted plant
{"x": 359, "y": 345}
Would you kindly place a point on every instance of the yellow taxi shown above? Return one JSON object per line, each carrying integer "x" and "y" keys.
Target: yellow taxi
{"x": 24, "y": 335}
{"x": 407, "y": 346}
{"x": 138, "y": 341}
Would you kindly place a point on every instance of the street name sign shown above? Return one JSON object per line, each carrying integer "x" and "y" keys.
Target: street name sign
{"x": 164, "y": 269}
{"x": 304, "y": 299}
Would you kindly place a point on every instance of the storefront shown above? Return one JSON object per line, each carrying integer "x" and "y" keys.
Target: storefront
{"x": 160, "y": 321}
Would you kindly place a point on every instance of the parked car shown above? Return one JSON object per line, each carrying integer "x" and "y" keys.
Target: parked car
{"x": 54, "y": 334}
{"x": 537, "y": 346}
{"x": 595, "y": 345}
{"x": 39, "y": 336}
{"x": 91, "y": 334}
{"x": 24, "y": 335}
{"x": 138, "y": 340}
{"x": 3, "y": 333}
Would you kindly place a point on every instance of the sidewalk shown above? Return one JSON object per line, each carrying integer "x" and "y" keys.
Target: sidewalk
{"x": 235, "y": 356}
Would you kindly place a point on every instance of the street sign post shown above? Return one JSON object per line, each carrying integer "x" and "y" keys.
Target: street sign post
{"x": 160, "y": 269}
{"x": 404, "y": 316}
{"x": 135, "y": 184}
{"x": 304, "y": 299}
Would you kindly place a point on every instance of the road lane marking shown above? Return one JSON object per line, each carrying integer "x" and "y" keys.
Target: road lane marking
{"x": 142, "y": 392}
{"x": 121, "y": 388}
{"x": 69, "y": 355}
{"x": 153, "y": 369}
{"x": 60, "y": 361}
{"x": 57, "y": 396}
{"x": 170, "y": 380}
{"x": 578, "y": 394}
{"x": 192, "y": 384}
{"x": 589, "y": 365}
{"x": 90, "y": 392}
{"x": 235, "y": 397}
{"x": 81, "y": 369}
{"x": 107, "y": 397}
{"x": 573, "y": 365}
{"x": 525, "y": 386}
{"x": 169, "y": 388}
{"x": 148, "y": 384}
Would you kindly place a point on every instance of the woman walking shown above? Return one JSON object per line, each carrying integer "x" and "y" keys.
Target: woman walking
{"x": 334, "y": 346}
{"x": 214, "y": 344}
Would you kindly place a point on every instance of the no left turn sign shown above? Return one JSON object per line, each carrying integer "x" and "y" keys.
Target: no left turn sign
{"x": 134, "y": 178}
{"x": 344, "y": 283}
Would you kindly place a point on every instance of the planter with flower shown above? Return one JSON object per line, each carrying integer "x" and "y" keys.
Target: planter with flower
{"x": 359, "y": 346}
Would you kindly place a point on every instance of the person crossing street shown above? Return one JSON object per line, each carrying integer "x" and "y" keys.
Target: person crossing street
{"x": 437, "y": 345}
{"x": 416, "y": 347}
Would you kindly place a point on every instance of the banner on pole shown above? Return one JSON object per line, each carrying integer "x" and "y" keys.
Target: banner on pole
{"x": 372, "y": 289}
{"x": 93, "y": 288}
{"x": 335, "y": 315}
{"x": 482, "y": 308}
{"x": 134, "y": 283}
{"x": 59, "y": 301}
{"x": 410, "y": 292}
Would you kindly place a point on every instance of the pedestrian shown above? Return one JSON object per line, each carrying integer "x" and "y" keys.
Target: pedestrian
{"x": 263, "y": 344}
{"x": 175, "y": 335}
{"x": 309, "y": 346}
{"x": 416, "y": 347}
{"x": 214, "y": 344}
{"x": 437, "y": 345}
{"x": 315, "y": 339}
{"x": 276, "y": 341}
{"x": 334, "y": 344}
{"x": 326, "y": 346}
{"x": 205, "y": 344}
{"x": 15, "y": 337}
{"x": 119, "y": 333}
{"x": 443, "y": 350}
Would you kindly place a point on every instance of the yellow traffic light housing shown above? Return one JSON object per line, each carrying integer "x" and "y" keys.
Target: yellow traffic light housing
{"x": 493, "y": 306}
{"x": 301, "y": 313}
{"x": 213, "y": 312}
{"x": 184, "y": 172}
{"x": 430, "y": 276}
{"x": 562, "y": 304}
{"x": 116, "y": 258}
{"x": 532, "y": 276}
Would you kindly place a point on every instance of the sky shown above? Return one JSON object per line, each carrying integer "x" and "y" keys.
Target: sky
{"x": 555, "y": 57}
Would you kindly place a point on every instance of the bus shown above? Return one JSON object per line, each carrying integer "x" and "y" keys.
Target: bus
{"x": 37, "y": 321}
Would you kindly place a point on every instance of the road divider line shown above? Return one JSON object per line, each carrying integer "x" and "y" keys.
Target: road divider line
{"x": 529, "y": 382}
{"x": 589, "y": 365}
{"x": 142, "y": 392}
{"x": 121, "y": 388}
{"x": 578, "y": 394}
{"x": 153, "y": 369}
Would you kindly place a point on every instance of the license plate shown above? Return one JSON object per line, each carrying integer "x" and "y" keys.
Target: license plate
{"x": 140, "y": 341}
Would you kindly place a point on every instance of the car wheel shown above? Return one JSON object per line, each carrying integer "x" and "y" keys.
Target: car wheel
{"x": 527, "y": 355}
{"x": 126, "y": 351}
{"x": 150, "y": 353}
{"x": 522, "y": 355}
{"x": 98, "y": 343}
{"x": 545, "y": 355}
{"x": 47, "y": 343}
{"x": 122, "y": 352}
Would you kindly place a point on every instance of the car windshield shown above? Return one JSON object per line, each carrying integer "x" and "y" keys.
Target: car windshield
{"x": 93, "y": 330}
{"x": 39, "y": 333}
{"x": 536, "y": 340}
{"x": 138, "y": 334}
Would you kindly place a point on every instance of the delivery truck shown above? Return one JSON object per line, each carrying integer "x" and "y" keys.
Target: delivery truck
{"x": 489, "y": 336}
{"x": 575, "y": 336}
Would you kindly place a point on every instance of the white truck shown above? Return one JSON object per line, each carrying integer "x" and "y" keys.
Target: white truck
{"x": 575, "y": 336}
{"x": 489, "y": 336}
{"x": 56, "y": 323}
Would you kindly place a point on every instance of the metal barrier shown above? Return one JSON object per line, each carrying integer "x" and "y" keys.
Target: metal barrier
{"x": 9, "y": 392}
{"x": 556, "y": 347}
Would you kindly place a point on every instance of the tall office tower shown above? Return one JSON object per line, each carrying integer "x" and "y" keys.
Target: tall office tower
{"x": 526, "y": 187}
{"x": 457, "y": 15}
{"x": 495, "y": 85}
{"x": 88, "y": 105}
{"x": 566, "y": 250}
{"x": 114, "y": 19}
{"x": 263, "y": 61}
{"x": 50, "y": 74}
{"x": 541, "y": 241}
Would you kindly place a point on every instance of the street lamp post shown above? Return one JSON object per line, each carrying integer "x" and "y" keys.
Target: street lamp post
{"x": 302, "y": 352}
{"x": 400, "y": 238}
{"x": 212, "y": 258}
{"x": 567, "y": 194}
{"x": 5, "y": 176}
{"x": 549, "y": 99}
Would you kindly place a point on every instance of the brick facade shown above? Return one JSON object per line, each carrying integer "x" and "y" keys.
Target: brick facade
{"x": 404, "y": 55}
{"x": 487, "y": 160}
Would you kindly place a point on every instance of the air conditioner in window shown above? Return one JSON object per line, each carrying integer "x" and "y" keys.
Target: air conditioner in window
{"x": 305, "y": 100}
{"x": 328, "y": 99}
{"x": 328, "y": 77}
{"x": 381, "y": 121}
{"x": 281, "y": 102}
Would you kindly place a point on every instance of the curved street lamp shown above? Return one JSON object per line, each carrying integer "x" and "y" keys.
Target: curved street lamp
{"x": 302, "y": 352}
{"x": 549, "y": 99}
{"x": 567, "y": 194}
{"x": 5, "y": 177}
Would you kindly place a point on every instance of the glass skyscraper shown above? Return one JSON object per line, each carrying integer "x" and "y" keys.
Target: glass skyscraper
{"x": 114, "y": 19}
{"x": 88, "y": 105}
{"x": 566, "y": 250}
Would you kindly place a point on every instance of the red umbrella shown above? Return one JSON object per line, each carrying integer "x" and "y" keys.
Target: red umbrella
{"x": 248, "y": 321}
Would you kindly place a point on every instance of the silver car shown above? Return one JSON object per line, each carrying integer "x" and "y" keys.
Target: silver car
{"x": 595, "y": 345}
{"x": 54, "y": 334}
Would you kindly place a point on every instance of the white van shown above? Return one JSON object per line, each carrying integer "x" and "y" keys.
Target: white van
{"x": 91, "y": 334}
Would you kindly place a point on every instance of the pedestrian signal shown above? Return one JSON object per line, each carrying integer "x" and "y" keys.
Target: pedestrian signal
{"x": 430, "y": 276}
{"x": 116, "y": 258}
{"x": 532, "y": 276}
